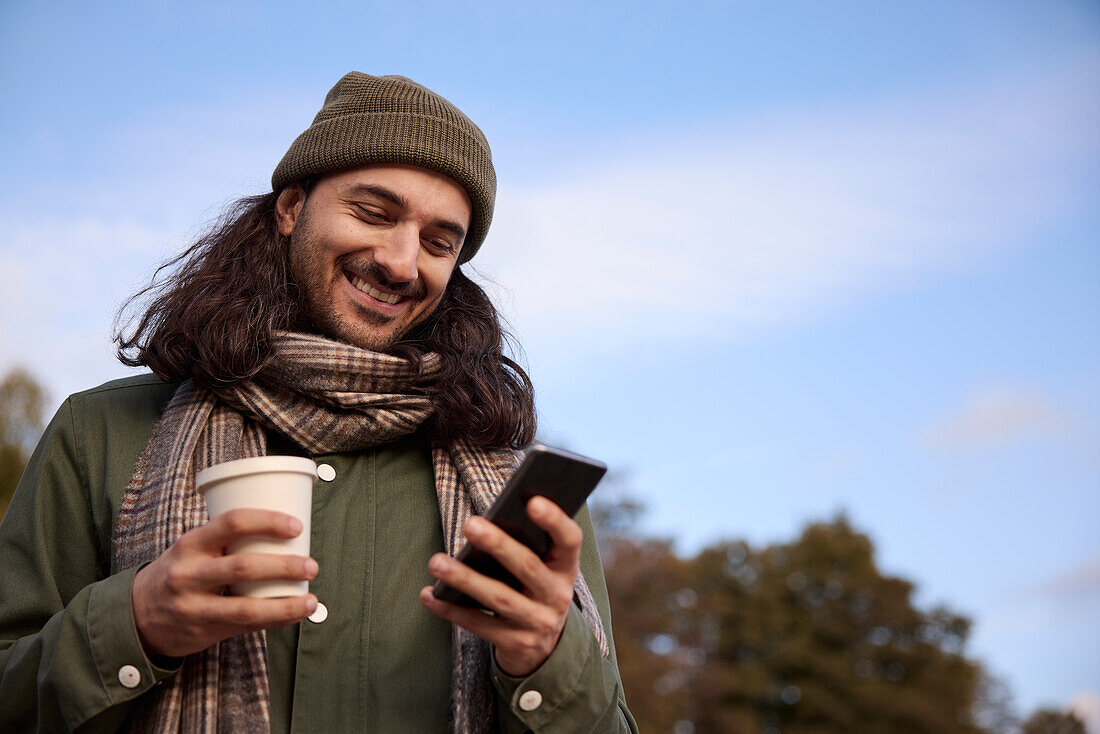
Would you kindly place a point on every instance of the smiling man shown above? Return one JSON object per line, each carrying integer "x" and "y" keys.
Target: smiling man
{"x": 329, "y": 318}
{"x": 372, "y": 249}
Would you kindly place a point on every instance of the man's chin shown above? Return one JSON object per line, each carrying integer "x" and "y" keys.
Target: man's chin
{"x": 381, "y": 340}
{"x": 371, "y": 343}
{"x": 365, "y": 330}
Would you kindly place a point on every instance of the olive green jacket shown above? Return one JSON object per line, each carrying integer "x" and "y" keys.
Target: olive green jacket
{"x": 70, "y": 658}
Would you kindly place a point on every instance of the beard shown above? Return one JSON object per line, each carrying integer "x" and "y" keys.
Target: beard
{"x": 317, "y": 286}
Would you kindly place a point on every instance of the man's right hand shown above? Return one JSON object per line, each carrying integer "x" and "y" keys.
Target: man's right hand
{"x": 178, "y": 603}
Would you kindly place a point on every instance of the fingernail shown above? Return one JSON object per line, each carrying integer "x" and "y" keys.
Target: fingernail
{"x": 294, "y": 525}
{"x": 311, "y": 604}
{"x": 311, "y": 567}
{"x": 474, "y": 525}
{"x": 437, "y": 563}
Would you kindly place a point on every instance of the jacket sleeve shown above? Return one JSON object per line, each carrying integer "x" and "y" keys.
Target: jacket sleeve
{"x": 576, "y": 689}
{"x": 70, "y": 657}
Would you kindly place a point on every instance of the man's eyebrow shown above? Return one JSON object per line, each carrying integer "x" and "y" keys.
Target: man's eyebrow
{"x": 452, "y": 227}
{"x": 380, "y": 191}
{"x": 395, "y": 198}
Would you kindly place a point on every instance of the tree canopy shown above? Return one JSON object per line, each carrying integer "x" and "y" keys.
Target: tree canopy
{"x": 803, "y": 637}
{"x": 21, "y": 399}
{"x": 1045, "y": 721}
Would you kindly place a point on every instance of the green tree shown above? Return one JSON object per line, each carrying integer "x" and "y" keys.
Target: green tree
{"x": 21, "y": 399}
{"x": 814, "y": 638}
{"x": 806, "y": 637}
{"x": 1045, "y": 721}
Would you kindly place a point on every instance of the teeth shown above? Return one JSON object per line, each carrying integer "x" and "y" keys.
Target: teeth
{"x": 362, "y": 285}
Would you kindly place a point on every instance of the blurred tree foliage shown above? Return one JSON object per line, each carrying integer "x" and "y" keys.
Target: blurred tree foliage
{"x": 806, "y": 637}
{"x": 1045, "y": 721}
{"x": 21, "y": 399}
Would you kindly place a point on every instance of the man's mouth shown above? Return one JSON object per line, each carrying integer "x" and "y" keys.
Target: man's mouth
{"x": 365, "y": 287}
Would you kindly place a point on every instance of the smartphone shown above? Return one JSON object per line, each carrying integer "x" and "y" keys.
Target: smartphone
{"x": 562, "y": 477}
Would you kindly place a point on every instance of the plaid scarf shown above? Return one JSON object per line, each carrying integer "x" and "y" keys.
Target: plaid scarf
{"x": 326, "y": 397}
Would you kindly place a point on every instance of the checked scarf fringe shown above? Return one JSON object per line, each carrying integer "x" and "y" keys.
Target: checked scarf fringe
{"x": 327, "y": 397}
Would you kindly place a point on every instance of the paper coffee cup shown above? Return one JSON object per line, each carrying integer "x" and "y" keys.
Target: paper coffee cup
{"x": 282, "y": 483}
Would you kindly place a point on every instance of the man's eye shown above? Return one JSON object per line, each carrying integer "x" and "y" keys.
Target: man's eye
{"x": 371, "y": 214}
{"x": 441, "y": 245}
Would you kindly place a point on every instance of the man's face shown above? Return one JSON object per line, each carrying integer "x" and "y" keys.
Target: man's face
{"x": 372, "y": 249}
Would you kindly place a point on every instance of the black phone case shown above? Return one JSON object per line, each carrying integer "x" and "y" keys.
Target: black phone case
{"x": 563, "y": 477}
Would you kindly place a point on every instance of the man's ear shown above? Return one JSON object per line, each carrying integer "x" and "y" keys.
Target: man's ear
{"x": 288, "y": 206}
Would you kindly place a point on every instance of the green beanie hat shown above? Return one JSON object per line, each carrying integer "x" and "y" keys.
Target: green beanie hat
{"x": 391, "y": 119}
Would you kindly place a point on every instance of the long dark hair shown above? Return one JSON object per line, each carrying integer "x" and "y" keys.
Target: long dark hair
{"x": 215, "y": 308}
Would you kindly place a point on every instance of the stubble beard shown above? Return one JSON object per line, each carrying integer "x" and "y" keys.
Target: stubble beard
{"x": 370, "y": 330}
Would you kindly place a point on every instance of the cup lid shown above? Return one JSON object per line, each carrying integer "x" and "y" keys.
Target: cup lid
{"x": 254, "y": 465}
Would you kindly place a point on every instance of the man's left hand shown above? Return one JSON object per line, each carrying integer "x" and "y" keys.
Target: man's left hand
{"x": 527, "y": 625}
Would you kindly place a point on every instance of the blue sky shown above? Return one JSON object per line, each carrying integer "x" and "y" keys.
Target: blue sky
{"x": 771, "y": 260}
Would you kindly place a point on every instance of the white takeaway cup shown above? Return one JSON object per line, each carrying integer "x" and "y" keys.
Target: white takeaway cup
{"x": 282, "y": 483}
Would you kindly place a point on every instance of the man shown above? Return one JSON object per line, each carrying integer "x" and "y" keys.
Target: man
{"x": 329, "y": 319}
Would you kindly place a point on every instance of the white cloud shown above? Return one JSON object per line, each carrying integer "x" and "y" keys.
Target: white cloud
{"x": 1087, "y": 707}
{"x": 76, "y": 248}
{"x": 62, "y": 283}
{"x": 708, "y": 233}
{"x": 996, "y": 416}
{"x": 1078, "y": 582}
{"x": 777, "y": 220}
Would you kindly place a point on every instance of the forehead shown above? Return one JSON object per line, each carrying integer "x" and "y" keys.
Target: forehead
{"x": 417, "y": 185}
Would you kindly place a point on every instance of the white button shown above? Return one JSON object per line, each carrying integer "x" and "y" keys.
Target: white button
{"x": 530, "y": 700}
{"x": 129, "y": 676}
{"x": 326, "y": 472}
{"x": 320, "y": 614}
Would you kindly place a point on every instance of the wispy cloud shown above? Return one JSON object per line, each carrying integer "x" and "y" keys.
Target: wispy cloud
{"x": 61, "y": 284}
{"x": 996, "y": 416}
{"x": 75, "y": 248}
{"x": 692, "y": 233}
{"x": 1079, "y": 582}
{"x": 1087, "y": 707}
{"x": 780, "y": 219}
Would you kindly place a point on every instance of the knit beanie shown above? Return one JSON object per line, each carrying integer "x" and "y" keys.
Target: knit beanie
{"x": 391, "y": 119}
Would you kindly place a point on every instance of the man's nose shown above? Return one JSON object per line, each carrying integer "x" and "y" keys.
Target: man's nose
{"x": 397, "y": 256}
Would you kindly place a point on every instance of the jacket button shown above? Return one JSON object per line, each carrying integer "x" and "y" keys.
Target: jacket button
{"x": 320, "y": 614}
{"x": 326, "y": 472}
{"x": 129, "y": 676}
{"x": 530, "y": 700}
